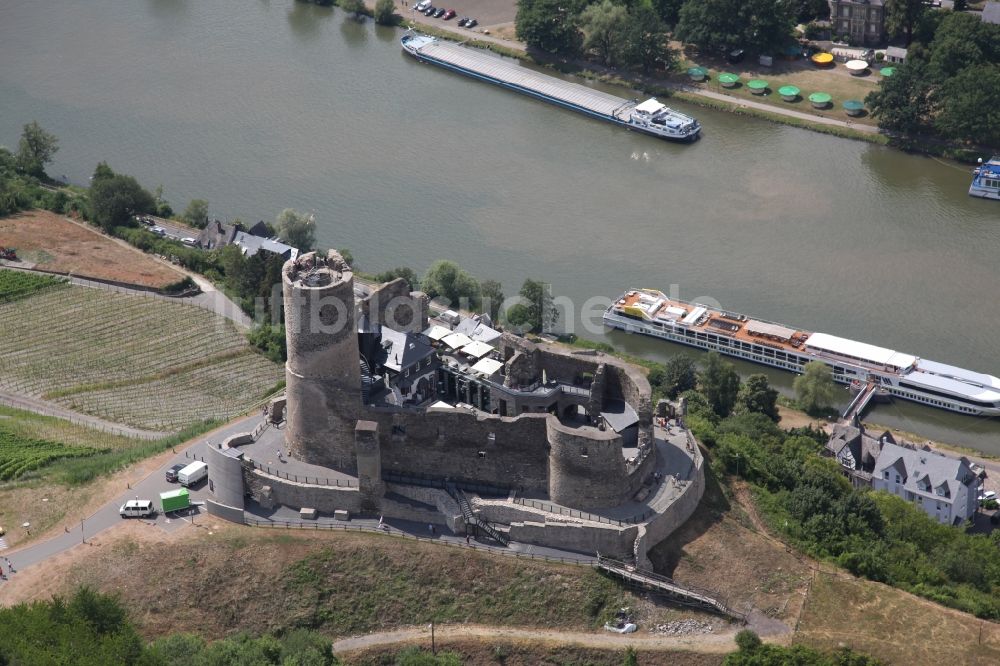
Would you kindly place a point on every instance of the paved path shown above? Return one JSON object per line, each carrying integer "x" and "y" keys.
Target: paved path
{"x": 149, "y": 488}
{"x": 47, "y": 408}
{"x": 713, "y": 643}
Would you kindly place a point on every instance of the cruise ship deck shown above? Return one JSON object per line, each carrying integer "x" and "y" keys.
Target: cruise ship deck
{"x": 483, "y": 64}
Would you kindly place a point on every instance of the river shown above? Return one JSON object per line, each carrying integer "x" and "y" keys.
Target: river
{"x": 259, "y": 106}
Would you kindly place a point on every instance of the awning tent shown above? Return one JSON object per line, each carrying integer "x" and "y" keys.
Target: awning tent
{"x": 437, "y": 332}
{"x": 778, "y": 331}
{"x": 487, "y": 367}
{"x": 477, "y": 349}
{"x": 456, "y": 340}
{"x": 649, "y": 106}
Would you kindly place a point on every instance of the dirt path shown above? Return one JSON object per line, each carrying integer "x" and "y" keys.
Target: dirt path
{"x": 46, "y": 408}
{"x": 712, "y": 643}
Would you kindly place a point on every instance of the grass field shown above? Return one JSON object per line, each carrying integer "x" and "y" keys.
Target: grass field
{"x": 144, "y": 362}
{"x": 339, "y": 583}
{"x": 893, "y": 625}
{"x": 53, "y": 243}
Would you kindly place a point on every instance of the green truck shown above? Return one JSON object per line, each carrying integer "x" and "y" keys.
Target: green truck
{"x": 175, "y": 500}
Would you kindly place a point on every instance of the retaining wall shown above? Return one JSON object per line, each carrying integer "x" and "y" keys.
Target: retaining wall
{"x": 593, "y": 538}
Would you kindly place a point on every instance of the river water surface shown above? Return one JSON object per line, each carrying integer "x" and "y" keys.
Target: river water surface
{"x": 259, "y": 106}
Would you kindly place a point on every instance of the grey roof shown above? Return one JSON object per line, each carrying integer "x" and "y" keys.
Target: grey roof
{"x": 943, "y": 472}
{"x": 216, "y": 234}
{"x": 619, "y": 415}
{"x": 251, "y": 245}
{"x": 991, "y": 12}
{"x": 864, "y": 447}
{"x": 403, "y": 350}
{"x": 895, "y": 51}
{"x": 477, "y": 330}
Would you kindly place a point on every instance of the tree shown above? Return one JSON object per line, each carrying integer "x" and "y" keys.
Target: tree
{"x": 709, "y": 24}
{"x": 297, "y": 229}
{"x": 962, "y": 40}
{"x": 747, "y": 641}
{"x": 538, "y": 303}
{"x": 115, "y": 199}
{"x": 814, "y": 387}
{"x": 720, "y": 383}
{"x": 757, "y": 396}
{"x": 604, "y": 25}
{"x": 549, "y": 25}
{"x": 810, "y": 10}
{"x": 903, "y": 101}
{"x": 679, "y": 375}
{"x": 902, "y": 16}
{"x": 668, "y": 10}
{"x": 196, "y": 213}
{"x": 385, "y": 12}
{"x": 356, "y": 7}
{"x": 400, "y": 272}
{"x": 724, "y": 24}
{"x": 970, "y": 105}
{"x": 646, "y": 40}
{"x": 491, "y": 297}
{"x": 35, "y": 149}
{"x": 102, "y": 170}
{"x": 446, "y": 279}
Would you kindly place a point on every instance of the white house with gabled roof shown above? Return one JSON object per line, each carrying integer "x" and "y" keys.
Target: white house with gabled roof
{"x": 946, "y": 488}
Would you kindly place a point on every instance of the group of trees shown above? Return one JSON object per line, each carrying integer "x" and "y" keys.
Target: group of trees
{"x": 630, "y": 34}
{"x": 950, "y": 82}
{"x": 754, "y": 652}
{"x": 807, "y": 497}
{"x": 93, "y": 628}
{"x": 636, "y": 33}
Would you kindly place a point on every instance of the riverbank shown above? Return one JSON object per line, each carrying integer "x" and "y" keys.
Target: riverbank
{"x": 684, "y": 91}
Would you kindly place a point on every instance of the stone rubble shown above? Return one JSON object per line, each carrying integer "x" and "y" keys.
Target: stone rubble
{"x": 683, "y": 628}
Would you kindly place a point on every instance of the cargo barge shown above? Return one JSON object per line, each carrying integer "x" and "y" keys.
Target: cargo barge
{"x": 652, "y": 313}
{"x": 650, "y": 117}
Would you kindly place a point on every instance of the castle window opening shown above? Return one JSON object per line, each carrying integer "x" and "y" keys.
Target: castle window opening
{"x": 482, "y": 454}
{"x": 398, "y": 430}
{"x": 491, "y": 438}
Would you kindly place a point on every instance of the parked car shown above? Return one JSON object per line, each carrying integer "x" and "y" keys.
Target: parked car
{"x": 159, "y": 231}
{"x": 439, "y": 13}
{"x": 462, "y": 21}
{"x": 430, "y": 10}
{"x": 422, "y": 5}
{"x": 173, "y": 472}
{"x": 988, "y": 495}
{"x": 450, "y": 14}
{"x": 735, "y": 56}
{"x": 471, "y": 23}
{"x": 192, "y": 474}
{"x": 190, "y": 241}
{"x": 137, "y": 508}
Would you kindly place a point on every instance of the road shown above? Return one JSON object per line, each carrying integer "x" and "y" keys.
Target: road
{"x": 149, "y": 488}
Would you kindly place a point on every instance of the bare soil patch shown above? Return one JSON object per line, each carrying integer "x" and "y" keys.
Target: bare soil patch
{"x": 723, "y": 548}
{"x": 54, "y": 243}
{"x": 490, "y": 652}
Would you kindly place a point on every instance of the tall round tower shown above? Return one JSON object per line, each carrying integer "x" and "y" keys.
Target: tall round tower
{"x": 322, "y": 374}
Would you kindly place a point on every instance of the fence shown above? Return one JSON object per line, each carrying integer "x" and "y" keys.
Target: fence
{"x": 315, "y": 480}
{"x": 583, "y": 515}
{"x": 582, "y": 560}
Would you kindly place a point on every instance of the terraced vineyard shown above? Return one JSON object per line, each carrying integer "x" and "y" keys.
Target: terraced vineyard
{"x": 19, "y": 456}
{"x": 15, "y": 285}
{"x": 144, "y": 362}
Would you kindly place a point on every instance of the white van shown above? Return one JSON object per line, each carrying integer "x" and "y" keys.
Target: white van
{"x": 192, "y": 474}
{"x": 138, "y": 508}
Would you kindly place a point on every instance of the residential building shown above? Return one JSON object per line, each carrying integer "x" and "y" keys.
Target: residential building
{"x": 856, "y": 451}
{"x": 218, "y": 234}
{"x": 991, "y": 13}
{"x": 946, "y": 488}
{"x": 862, "y": 21}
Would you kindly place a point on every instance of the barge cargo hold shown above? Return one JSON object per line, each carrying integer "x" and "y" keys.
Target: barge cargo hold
{"x": 650, "y": 117}
{"x": 652, "y": 313}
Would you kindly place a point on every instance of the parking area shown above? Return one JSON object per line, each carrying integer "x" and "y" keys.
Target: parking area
{"x": 486, "y": 12}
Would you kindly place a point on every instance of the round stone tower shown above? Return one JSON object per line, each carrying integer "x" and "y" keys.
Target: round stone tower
{"x": 323, "y": 374}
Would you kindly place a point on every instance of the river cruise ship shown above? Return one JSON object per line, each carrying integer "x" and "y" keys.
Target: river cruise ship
{"x": 986, "y": 179}
{"x": 894, "y": 373}
{"x": 650, "y": 117}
